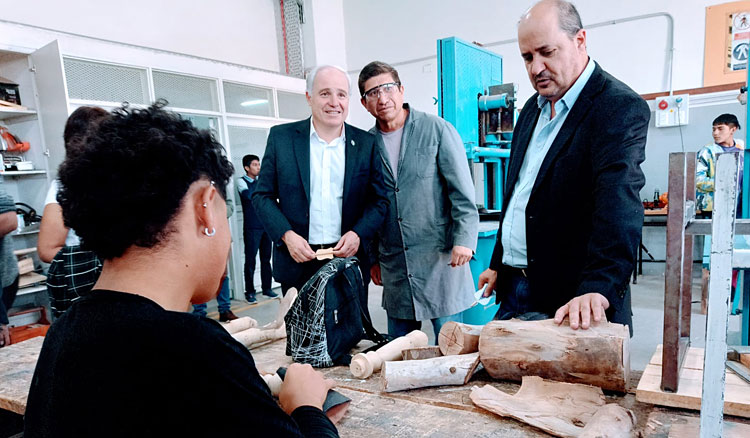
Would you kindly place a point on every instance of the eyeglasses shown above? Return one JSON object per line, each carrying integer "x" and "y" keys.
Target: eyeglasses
{"x": 386, "y": 89}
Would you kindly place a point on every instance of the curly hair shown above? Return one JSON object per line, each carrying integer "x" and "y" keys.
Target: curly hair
{"x": 126, "y": 183}
{"x": 79, "y": 123}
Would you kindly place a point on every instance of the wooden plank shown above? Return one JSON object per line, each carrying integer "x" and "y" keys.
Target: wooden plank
{"x": 689, "y": 429}
{"x": 737, "y": 393}
{"x": 16, "y": 370}
{"x": 719, "y": 290}
{"x": 673, "y": 273}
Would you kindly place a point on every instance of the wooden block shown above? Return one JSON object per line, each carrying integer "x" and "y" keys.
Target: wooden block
{"x": 597, "y": 356}
{"x": 29, "y": 279}
{"x": 688, "y": 395}
{"x": 420, "y": 353}
{"x": 23, "y": 252}
{"x": 745, "y": 359}
{"x": 324, "y": 254}
{"x": 25, "y": 266}
{"x": 458, "y": 338}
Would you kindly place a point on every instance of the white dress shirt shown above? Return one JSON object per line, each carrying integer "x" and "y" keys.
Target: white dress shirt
{"x": 327, "y": 166}
{"x": 513, "y": 232}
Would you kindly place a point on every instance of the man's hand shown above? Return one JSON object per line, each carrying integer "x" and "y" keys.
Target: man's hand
{"x": 488, "y": 277}
{"x": 347, "y": 246}
{"x": 303, "y": 386}
{"x": 298, "y": 247}
{"x": 581, "y": 308}
{"x": 4, "y": 335}
{"x": 460, "y": 256}
{"x": 375, "y": 274}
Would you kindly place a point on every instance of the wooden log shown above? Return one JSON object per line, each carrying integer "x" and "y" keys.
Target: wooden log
{"x": 285, "y": 303}
{"x": 458, "y": 338}
{"x": 363, "y": 365}
{"x": 239, "y": 324}
{"x": 253, "y": 336}
{"x": 597, "y": 356}
{"x": 438, "y": 371}
{"x": 419, "y": 353}
{"x": 561, "y": 409}
{"x": 274, "y": 383}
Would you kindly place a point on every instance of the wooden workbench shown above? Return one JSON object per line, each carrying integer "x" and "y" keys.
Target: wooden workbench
{"x": 430, "y": 412}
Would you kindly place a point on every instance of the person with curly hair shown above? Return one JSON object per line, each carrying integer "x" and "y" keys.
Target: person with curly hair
{"x": 147, "y": 193}
{"x": 72, "y": 272}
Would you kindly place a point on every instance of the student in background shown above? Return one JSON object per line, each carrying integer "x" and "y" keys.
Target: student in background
{"x": 723, "y": 129}
{"x": 255, "y": 237}
{"x": 72, "y": 271}
{"x": 8, "y": 263}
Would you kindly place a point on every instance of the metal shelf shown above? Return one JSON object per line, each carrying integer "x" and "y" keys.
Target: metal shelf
{"x": 26, "y": 233}
{"x": 11, "y": 113}
{"x": 23, "y": 172}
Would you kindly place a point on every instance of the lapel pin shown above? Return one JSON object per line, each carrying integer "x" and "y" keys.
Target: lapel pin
{"x": 352, "y": 142}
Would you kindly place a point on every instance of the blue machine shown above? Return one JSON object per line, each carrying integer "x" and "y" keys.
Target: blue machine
{"x": 472, "y": 96}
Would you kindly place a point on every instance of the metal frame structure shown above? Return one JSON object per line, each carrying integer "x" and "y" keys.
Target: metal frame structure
{"x": 682, "y": 227}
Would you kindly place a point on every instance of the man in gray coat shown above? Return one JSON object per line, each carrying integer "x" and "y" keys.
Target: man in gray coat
{"x": 421, "y": 253}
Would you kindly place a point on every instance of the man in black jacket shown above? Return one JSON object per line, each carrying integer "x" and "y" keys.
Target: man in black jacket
{"x": 321, "y": 184}
{"x": 572, "y": 214}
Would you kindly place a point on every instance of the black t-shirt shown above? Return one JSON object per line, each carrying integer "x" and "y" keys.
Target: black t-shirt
{"x": 117, "y": 364}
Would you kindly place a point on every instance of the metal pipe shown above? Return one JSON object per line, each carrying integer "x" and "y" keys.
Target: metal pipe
{"x": 496, "y": 101}
{"x": 491, "y": 152}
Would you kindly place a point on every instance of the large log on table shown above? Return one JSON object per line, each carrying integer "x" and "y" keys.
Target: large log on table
{"x": 596, "y": 356}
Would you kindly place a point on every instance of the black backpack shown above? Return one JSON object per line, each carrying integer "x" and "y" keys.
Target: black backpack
{"x": 329, "y": 316}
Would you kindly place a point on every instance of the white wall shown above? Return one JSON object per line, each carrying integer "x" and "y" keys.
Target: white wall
{"x": 237, "y": 31}
{"x": 397, "y": 31}
{"x": 323, "y": 33}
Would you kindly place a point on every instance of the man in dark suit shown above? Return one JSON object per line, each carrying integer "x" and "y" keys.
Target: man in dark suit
{"x": 254, "y": 236}
{"x": 321, "y": 184}
{"x": 571, "y": 218}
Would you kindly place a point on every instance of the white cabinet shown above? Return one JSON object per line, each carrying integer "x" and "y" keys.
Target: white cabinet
{"x": 40, "y": 78}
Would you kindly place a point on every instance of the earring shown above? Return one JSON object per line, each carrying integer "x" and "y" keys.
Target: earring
{"x": 209, "y": 233}
{"x": 205, "y": 205}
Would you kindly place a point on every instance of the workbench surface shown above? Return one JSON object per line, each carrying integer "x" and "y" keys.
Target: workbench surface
{"x": 436, "y": 412}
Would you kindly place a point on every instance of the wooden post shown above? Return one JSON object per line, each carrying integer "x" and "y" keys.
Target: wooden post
{"x": 595, "y": 356}
{"x": 363, "y": 365}
{"x": 458, "y": 338}
{"x": 719, "y": 287}
{"x": 443, "y": 370}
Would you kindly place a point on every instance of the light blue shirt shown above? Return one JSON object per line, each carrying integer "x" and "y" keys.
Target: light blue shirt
{"x": 514, "y": 223}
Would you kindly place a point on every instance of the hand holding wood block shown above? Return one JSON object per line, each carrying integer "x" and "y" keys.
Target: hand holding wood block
{"x": 365, "y": 364}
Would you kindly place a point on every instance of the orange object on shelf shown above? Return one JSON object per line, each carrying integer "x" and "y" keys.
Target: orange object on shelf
{"x": 28, "y": 331}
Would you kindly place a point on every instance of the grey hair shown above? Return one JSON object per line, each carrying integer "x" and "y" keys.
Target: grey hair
{"x": 314, "y": 72}
{"x": 569, "y": 20}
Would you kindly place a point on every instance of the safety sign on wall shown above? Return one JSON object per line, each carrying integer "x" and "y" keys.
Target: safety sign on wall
{"x": 739, "y": 41}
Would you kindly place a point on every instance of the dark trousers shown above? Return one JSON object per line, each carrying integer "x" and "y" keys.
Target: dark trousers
{"x": 8, "y": 296}
{"x": 517, "y": 304}
{"x": 257, "y": 240}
